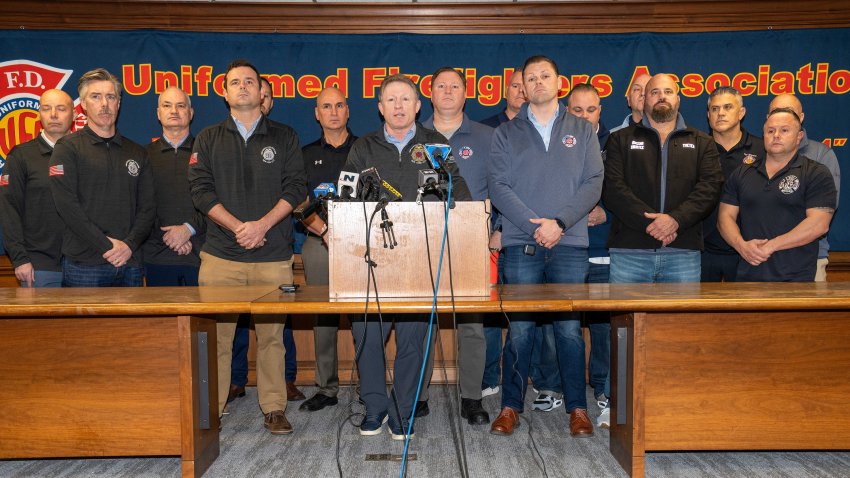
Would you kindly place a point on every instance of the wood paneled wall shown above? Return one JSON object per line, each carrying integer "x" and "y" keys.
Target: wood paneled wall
{"x": 588, "y": 16}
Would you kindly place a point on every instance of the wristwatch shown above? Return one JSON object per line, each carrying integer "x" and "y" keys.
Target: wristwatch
{"x": 561, "y": 224}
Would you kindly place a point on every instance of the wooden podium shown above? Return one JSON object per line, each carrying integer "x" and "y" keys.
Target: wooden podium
{"x": 402, "y": 271}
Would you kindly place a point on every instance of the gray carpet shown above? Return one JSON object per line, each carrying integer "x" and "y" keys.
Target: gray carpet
{"x": 248, "y": 451}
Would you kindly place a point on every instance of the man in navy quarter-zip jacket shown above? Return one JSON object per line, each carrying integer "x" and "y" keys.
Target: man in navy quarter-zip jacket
{"x": 247, "y": 175}
{"x": 103, "y": 189}
{"x": 662, "y": 178}
{"x": 545, "y": 176}
{"x": 172, "y": 250}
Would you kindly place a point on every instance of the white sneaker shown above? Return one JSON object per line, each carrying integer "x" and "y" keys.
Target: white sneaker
{"x": 546, "y": 403}
{"x": 604, "y": 420}
{"x": 602, "y": 402}
{"x": 489, "y": 391}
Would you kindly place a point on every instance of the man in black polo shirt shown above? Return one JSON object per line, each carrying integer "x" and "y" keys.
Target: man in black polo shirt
{"x": 323, "y": 160}
{"x": 247, "y": 175}
{"x": 736, "y": 147}
{"x": 171, "y": 251}
{"x": 783, "y": 203}
{"x": 103, "y": 188}
{"x": 27, "y": 212}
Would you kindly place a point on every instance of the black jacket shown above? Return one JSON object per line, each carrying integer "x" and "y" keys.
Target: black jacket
{"x": 400, "y": 169}
{"x": 248, "y": 178}
{"x": 173, "y": 203}
{"x": 632, "y": 185}
{"x": 101, "y": 188}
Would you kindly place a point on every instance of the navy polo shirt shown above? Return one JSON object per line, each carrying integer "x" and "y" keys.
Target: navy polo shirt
{"x": 769, "y": 207}
{"x": 471, "y": 150}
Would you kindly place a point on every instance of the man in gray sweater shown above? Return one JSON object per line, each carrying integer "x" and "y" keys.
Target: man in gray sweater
{"x": 545, "y": 176}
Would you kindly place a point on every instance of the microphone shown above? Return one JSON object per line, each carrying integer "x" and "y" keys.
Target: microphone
{"x": 438, "y": 155}
{"x": 347, "y": 185}
{"x": 394, "y": 194}
{"x": 370, "y": 185}
{"x": 325, "y": 191}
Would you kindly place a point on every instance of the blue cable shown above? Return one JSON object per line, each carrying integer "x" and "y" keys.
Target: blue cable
{"x": 430, "y": 327}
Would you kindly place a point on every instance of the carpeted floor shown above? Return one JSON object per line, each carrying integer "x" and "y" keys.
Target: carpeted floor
{"x": 248, "y": 451}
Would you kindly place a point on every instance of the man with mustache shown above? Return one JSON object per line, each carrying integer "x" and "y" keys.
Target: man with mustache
{"x": 33, "y": 230}
{"x": 774, "y": 210}
{"x": 103, "y": 188}
{"x": 662, "y": 178}
{"x": 171, "y": 251}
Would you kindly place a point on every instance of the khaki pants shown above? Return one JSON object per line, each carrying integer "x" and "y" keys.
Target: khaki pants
{"x": 820, "y": 273}
{"x": 271, "y": 385}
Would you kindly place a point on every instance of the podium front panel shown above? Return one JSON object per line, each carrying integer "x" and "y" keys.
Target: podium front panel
{"x": 403, "y": 270}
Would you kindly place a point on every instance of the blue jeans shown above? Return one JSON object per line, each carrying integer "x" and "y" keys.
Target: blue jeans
{"x": 599, "y": 324}
{"x": 493, "y": 355}
{"x": 239, "y": 360}
{"x": 163, "y": 275}
{"x": 559, "y": 265}
{"x": 45, "y": 279}
{"x": 655, "y": 267}
{"x": 543, "y": 371}
{"x": 101, "y": 275}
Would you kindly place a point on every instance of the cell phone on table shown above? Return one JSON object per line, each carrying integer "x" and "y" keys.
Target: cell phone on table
{"x": 288, "y": 287}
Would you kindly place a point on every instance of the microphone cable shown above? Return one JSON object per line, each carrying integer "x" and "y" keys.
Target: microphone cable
{"x": 427, "y": 343}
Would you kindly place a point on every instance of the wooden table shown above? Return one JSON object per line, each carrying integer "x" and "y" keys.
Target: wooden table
{"x": 113, "y": 372}
{"x": 739, "y": 366}
{"x": 118, "y": 372}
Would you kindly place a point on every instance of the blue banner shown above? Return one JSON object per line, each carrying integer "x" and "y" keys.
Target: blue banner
{"x": 810, "y": 63}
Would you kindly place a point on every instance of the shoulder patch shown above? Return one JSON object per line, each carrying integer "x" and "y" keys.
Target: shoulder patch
{"x": 193, "y": 159}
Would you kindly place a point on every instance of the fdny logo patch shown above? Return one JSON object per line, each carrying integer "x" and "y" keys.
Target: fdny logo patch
{"x": 58, "y": 170}
{"x": 569, "y": 141}
{"x": 22, "y": 82}
{"x": 637, "y": 145}
{"x": 789, "y": 184}
{"x": 749, "y": 158}
{"x": 132, "y": 167}
{"x": 418, "y": 154}
{"x": 465, "y": 152}
{"x": 268, "y": 153}
{"x": 4, "y": 180}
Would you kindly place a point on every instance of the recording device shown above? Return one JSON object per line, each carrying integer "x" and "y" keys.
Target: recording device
{"x": 529, "y": 250}
{"x": 325, "y": 191}
{"x": 313, "y": 212}
{"x": 347, "y": 185}
{"x": 438, "y": 155}
{"x": 288, "y": 287}
{"x": 369, "y": 185}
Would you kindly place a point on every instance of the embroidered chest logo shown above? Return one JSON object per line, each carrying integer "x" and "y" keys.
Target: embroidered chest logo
{"x": 317, "y": 162}
{"x": 749, "y": 158}
{"x": 637, "y": 145}
{"x": 569, "y": 141}
{"x": 689, "y": 145}
{"x": 789, "y": 184}
{"x": 4, "y": 180}
{"x": 418, "y": 154}
{"x": 132, "y": 167}
{"x": 193, "y": 159}
{"x": 465, "y": 152}
{"x": 268, "y": 154}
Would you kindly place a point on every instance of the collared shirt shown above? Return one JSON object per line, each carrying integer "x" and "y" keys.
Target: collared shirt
{"x": 177, "y": 144}
{"x": 246, "y": 132}
{"x": 400, "y": 144}
{"x": 545, "y": 130}
{"x": 323, "y": 162}
{"x": 52, "y": 144}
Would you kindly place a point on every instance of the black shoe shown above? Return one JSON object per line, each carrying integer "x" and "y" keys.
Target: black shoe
{"x": 422, "y": 409}
{"x": 473, "y": 412}
{"x": 318, "y": 402}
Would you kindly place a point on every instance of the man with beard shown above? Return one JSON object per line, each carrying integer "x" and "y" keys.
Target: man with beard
{"x": 103, "y": 188}
{"x": 774, "y": 210}
{"x": 662, "y": 178}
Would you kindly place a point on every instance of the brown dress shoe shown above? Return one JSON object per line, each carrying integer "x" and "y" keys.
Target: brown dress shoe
{"x": 276, "y": 423}
{"x": 292, "y": 393}
{"x": 580, "y": 426}
{"x": 235, "y": 392}
{"x": 505, "y": 423}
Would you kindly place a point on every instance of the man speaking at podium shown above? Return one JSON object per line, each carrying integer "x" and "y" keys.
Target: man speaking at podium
{"x": 397, "y": 152}
{"x": 545, "y": 176}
